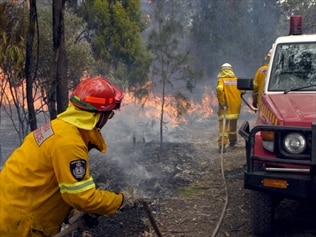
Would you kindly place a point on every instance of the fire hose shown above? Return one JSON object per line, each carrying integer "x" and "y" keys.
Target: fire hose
{"x": 81, "y": 225}
{"x": 219, "y": 223}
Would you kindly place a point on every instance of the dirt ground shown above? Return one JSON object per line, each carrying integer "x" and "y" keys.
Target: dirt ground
{"x": 191, "y": 191}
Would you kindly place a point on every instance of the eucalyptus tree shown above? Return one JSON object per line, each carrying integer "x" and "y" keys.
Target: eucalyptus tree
{"x": 171, "y": 70}
{"x": 13, "y": 30}
{"x": 28, "y": 64}
{"x": 114, "y": 30}
{"x": 60, "y": 84}
{"x": 79, "y": 57}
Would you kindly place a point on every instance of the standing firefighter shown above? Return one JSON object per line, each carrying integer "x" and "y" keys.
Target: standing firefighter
{"x": 48, "y": 176}
{"x": 229, "y": 104}
{"x": 258, "y": 81}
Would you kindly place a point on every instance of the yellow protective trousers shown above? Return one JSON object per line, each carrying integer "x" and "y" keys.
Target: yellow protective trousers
{"x": 229, "y": 131}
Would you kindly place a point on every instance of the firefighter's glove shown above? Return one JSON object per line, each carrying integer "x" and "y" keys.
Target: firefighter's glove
{"x": 255, "y": 104}
{"x": 129, "y": 200}
{"x": 74, "y": 216}
{"x": 91, "y": 220}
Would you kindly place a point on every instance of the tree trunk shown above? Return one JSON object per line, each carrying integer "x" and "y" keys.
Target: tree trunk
{"x": 61, "y": 83}
{"x": 28, "y": 66}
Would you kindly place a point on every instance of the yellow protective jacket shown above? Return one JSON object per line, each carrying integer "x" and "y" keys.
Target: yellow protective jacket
{"x": 49, "y": 174}
{"x": 228, "y": 95}
{"x": 258, "y": 83}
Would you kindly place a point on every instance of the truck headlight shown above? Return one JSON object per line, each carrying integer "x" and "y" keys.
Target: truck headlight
{"x": 294, "y": 143}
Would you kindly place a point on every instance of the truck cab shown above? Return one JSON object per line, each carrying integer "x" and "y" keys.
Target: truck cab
{"x": 281, "y": 146}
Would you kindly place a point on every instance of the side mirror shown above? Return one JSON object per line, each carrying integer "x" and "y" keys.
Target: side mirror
{"x": 245, "y": 84}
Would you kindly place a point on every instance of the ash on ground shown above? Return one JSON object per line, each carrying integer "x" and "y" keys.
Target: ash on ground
{"x": 184, "y": 186}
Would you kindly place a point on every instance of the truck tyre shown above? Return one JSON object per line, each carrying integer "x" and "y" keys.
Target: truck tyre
{"x": 262, "y": 213}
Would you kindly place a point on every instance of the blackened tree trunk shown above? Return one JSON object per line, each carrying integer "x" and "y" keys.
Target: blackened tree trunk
{"x": 28, "y": 66}
{"x": 59, "y": 87}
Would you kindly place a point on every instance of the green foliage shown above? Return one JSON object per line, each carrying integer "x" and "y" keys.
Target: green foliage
{"x": 13, "y": 29}
{"x": 12, "y": 34}
{"x": 80, "y": 57}
{"x": 114, "y": 30}
{"x": 118, "y": 77}
{"x": 195, "y": 189}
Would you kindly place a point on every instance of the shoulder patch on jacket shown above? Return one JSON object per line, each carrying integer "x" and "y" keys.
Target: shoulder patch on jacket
{"x": 42, "y": 133}
{"x": 78, "y": 169}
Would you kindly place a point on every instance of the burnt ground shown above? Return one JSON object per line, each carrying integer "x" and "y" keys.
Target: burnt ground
{"x": 186, "y": 191}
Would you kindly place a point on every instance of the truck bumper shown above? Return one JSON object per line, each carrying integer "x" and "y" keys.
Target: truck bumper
{"x": 296, "y": 186}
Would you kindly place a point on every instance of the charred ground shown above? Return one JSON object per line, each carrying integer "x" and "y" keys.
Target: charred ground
{"x": 185, "y": 189}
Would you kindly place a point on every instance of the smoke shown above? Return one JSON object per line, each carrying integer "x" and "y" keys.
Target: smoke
{"x": 216, "y": 32}
{"x": 136, "y": 125}
{"x": 133, "y": 154}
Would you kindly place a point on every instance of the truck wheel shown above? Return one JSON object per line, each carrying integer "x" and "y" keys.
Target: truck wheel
{"x": 262, "y": 213}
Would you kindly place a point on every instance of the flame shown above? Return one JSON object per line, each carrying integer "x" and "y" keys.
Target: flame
{"x": 151, "y": 106}
{"x": 18, "y": 96}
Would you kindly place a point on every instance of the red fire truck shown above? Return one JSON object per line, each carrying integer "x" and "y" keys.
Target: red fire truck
{"x": 281, "y": 146}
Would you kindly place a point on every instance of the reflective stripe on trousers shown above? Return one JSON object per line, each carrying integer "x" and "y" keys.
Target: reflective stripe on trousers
{"x": 230, "y": 131}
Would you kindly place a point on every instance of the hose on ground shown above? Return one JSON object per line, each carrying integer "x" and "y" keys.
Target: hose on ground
{"x": 220, "y": 221}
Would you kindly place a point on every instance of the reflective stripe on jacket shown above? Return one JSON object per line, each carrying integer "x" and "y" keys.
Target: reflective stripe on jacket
{"x": 228, "y": 95}
{"x": 47, "y": 176}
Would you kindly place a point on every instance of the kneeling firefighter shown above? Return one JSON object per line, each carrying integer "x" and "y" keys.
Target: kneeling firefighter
{"x": 48, "y": 176}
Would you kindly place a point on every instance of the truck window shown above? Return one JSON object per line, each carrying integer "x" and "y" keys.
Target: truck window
{"x": 294, "y": 66}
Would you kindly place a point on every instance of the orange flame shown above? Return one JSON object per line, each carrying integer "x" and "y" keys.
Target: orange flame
{"x": 149, "y": 106}
{"x": 18, "y": 96}
{"x": 153, "y": 103}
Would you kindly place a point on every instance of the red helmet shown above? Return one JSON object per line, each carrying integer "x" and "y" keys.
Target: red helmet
{"x": 96, "y": 94}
